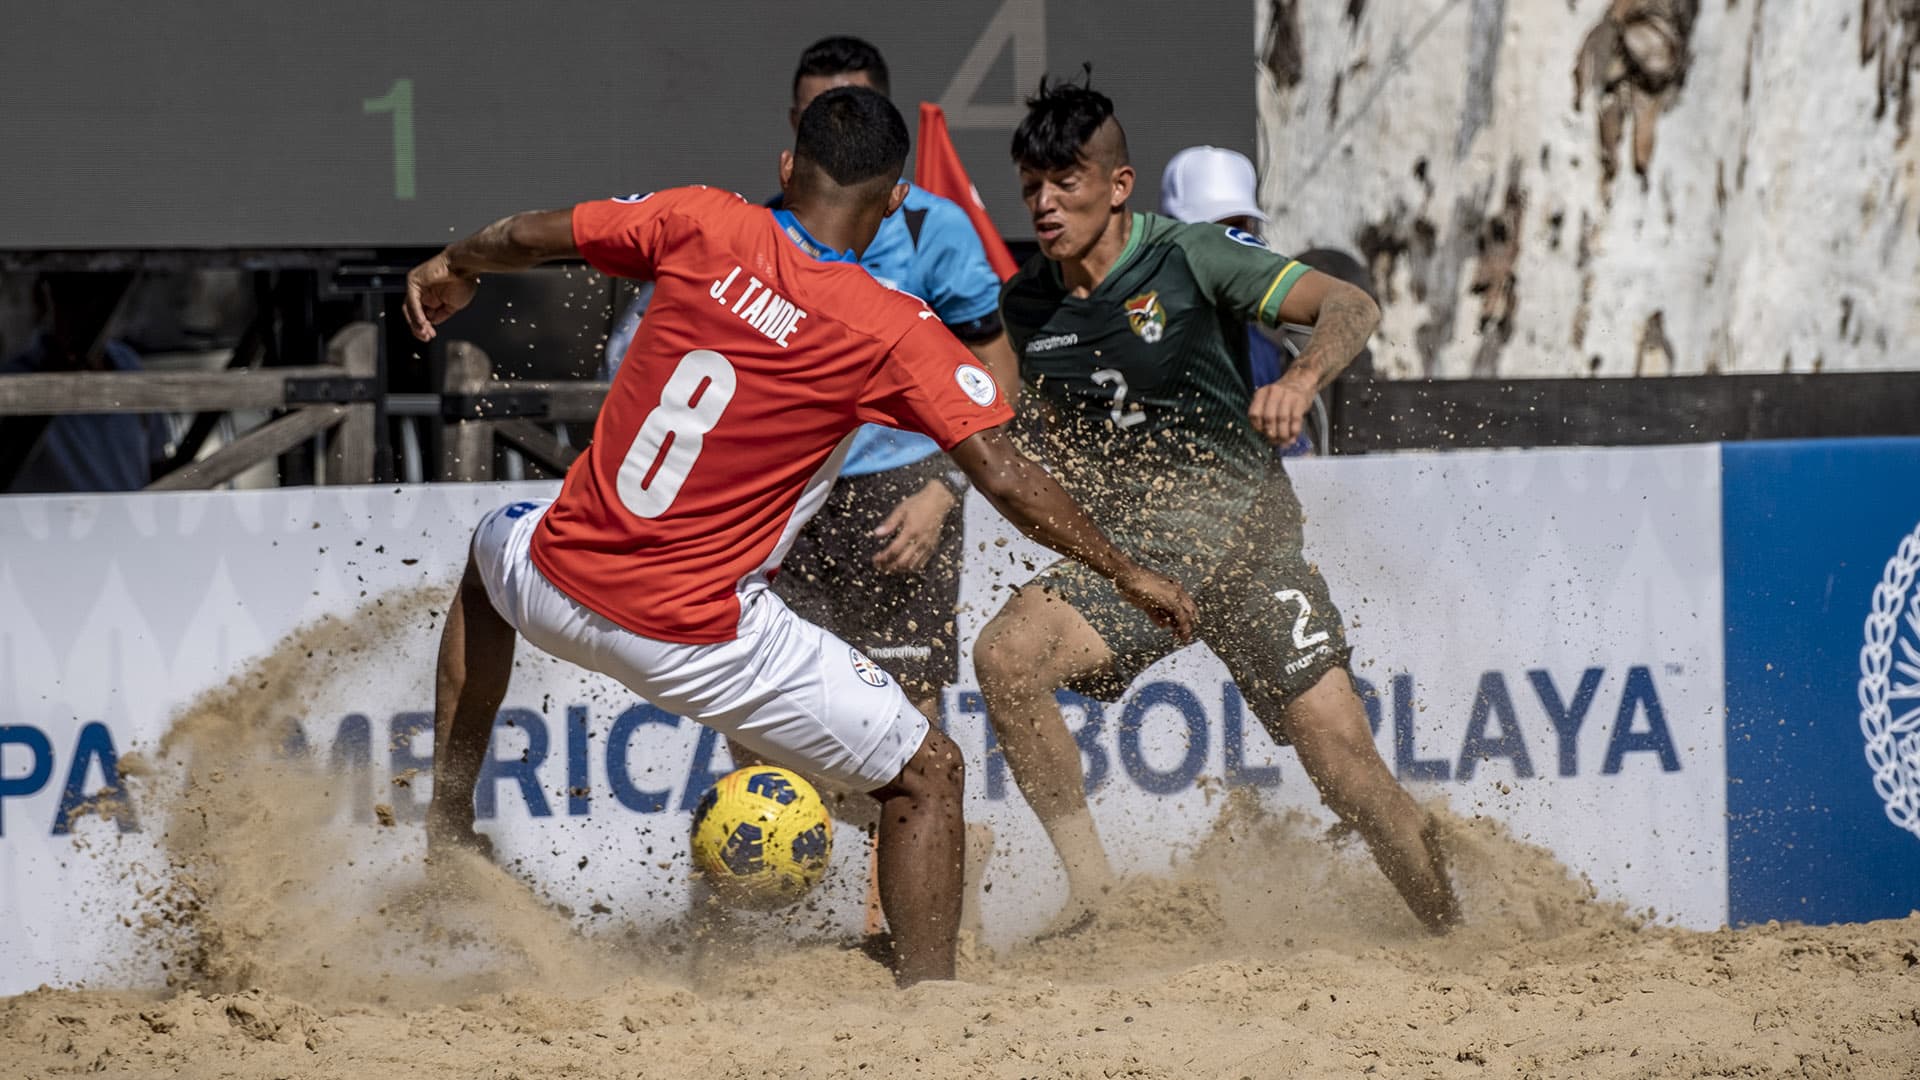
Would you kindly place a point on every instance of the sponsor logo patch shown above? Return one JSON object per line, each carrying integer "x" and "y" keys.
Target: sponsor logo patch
{"x": 1242, "y": 236}
{"x": 869, "y": 672}
{"x": 976, "y": 384}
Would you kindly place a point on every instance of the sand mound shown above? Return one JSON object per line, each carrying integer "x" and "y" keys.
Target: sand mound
{"x": 298, "y": 948}
{"x": 1772, "y": 1001}
{"x": 267, "y": 889}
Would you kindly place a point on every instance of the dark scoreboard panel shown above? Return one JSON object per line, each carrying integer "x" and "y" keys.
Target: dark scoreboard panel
{"x": 352, "y": 123}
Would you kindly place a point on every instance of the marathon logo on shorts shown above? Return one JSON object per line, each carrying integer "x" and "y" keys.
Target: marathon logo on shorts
{"x": 869, "y": 672}
{"x": 1300, "y": 664}
{"x": 904, "y": 652}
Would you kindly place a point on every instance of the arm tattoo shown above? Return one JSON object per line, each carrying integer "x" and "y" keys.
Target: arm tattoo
{"x": 1346, "y": 319}
{"x": 491, "y": 248}
{"x": 514, "y": 243}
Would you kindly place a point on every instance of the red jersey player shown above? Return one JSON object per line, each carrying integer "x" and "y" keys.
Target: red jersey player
{"x": 765, "y": 348}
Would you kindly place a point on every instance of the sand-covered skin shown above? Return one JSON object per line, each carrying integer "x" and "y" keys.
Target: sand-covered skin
{"x": 1279, "y": 951}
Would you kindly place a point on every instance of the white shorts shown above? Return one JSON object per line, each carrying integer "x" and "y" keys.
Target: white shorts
{"x": 785, "y": 688}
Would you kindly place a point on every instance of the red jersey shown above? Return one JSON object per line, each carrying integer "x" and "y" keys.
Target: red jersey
{"x": 724, "y": 427}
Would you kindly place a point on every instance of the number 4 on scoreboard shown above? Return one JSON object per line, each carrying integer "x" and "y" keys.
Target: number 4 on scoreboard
{"x": 1019, "y": 27}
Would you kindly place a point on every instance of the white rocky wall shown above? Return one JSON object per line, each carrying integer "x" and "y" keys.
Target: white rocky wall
{"x": 1775, "y": 226}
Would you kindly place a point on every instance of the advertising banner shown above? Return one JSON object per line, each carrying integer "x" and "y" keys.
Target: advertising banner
{"x": 1649, "y": 661}
{"x": 1823, "y": 679}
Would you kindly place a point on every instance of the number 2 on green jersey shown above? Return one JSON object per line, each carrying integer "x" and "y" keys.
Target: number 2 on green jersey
{"x": 1112, "y": 377}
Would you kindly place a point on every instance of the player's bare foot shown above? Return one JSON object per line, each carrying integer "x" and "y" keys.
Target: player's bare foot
{"x": 1441, "y": 913}
{"x": 979, "y": 852}
{"x": 445, "y": 835}
{"x": 1078, "y": 915}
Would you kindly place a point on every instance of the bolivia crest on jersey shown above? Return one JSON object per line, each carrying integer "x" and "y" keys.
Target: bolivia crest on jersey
{"x": 1147, "y": 318}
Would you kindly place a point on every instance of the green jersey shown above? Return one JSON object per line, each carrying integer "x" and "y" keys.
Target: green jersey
{"x": 1147, "y": 376}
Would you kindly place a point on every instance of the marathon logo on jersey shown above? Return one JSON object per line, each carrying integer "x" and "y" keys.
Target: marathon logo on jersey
{"x": 1052, "y": 342}
{"x": 976, "y": 384}
{"x": 869, "y": 672}
{"x": 1147, "y": 318}
{"x": 773, "y": 315}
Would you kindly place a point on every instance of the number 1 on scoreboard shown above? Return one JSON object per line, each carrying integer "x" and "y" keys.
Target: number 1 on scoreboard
{"x": 398, "y": 101}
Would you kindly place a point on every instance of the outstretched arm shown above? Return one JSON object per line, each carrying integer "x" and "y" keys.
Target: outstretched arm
{"x": 914, "y": 525}
{"x": 445, "y": 283}
{"x": 1343, "y": 317}
{"x": 1041, "y": 509}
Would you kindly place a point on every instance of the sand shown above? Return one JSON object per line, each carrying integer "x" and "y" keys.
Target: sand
{"x": 1594, "y": 1001}
{"x": 1276, "y": 949}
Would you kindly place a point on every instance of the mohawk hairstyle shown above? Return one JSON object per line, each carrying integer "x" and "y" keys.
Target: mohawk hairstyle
{"x": 1062, "y": 118}
{"x": 854, "y": 135}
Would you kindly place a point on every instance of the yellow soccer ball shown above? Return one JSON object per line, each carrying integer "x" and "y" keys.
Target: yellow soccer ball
{"x": 761, "y": 837}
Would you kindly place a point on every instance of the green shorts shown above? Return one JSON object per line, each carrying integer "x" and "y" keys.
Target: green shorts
{"x": 1263, "y": 609}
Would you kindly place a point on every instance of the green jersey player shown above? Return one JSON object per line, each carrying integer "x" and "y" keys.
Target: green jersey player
{"x": 1130, "y": 329}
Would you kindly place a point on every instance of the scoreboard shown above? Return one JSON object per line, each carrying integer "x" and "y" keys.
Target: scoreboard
{"x": 353, "y": 123}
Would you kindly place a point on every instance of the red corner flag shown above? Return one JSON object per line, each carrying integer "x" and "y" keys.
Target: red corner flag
{"x": 937, "y": 169}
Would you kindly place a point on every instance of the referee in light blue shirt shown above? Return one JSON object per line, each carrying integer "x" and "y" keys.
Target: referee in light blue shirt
{"x": 880, "y": 564}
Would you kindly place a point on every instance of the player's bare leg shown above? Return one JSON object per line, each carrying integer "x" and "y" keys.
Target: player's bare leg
{"x": 470, "y": 681}
{"x": 1328, "y": 728}
{"x": 921, "y": 856}
{"x": 875, "y": 927}
{"x": 979, "y": 851}
{"x": 1035, "y": 645}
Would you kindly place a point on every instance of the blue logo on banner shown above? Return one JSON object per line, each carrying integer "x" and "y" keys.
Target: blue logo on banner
{"x": 1822, "y": 545}
{"x": 93, "y": 754}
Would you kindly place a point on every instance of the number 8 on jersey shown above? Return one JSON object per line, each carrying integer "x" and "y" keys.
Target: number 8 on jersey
{"x": 668, "y": 442}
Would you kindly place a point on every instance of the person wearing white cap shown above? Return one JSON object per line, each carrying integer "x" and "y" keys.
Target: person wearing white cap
{"x": 1211, "y": 183}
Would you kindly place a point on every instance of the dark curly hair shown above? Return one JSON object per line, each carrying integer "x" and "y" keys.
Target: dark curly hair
{"x": 1062, "y": 118}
